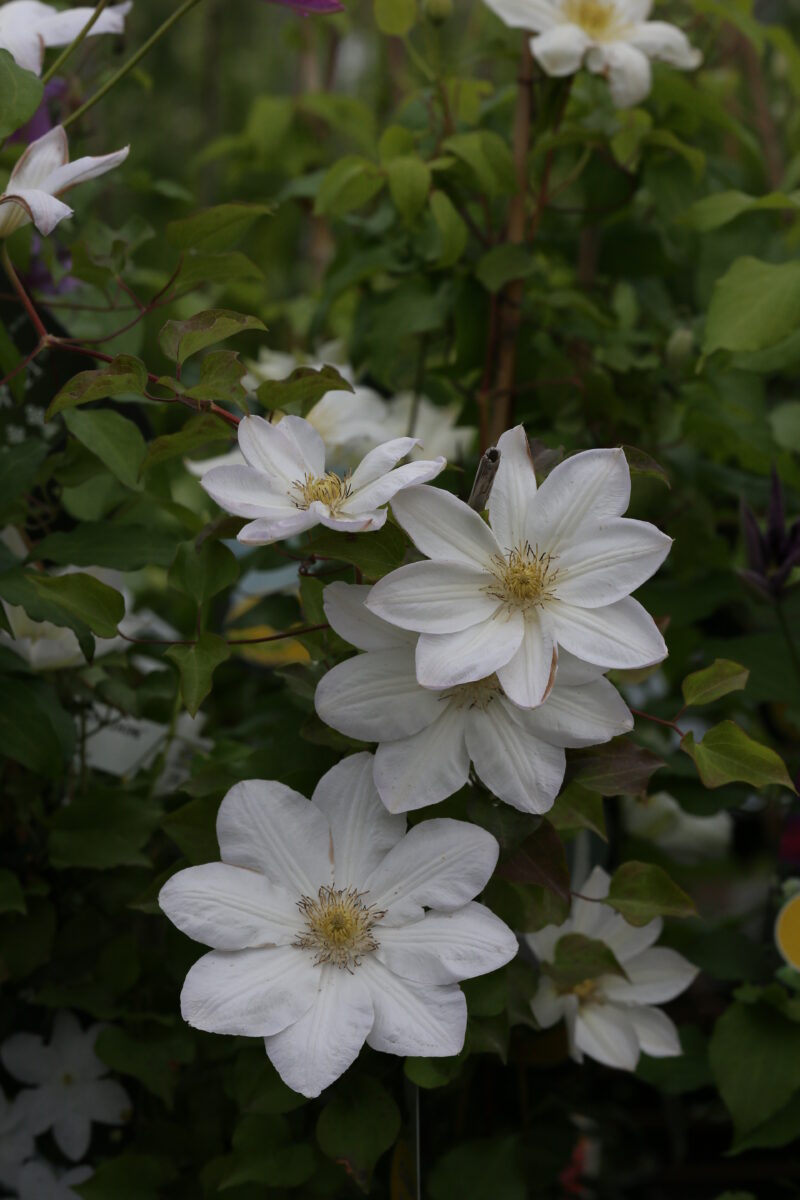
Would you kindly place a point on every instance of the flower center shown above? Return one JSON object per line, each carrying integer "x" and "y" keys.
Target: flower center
{"x": 525, "y": 578}
{"x": 338, "y": 927}
{"x": 474, "y": 695}
{"x": 598, "y": 19}
{"x": 329, "y": 488}
{"x": 586, "y": 990}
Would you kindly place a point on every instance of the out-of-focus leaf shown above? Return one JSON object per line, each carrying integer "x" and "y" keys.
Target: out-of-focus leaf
{"x": 714, "y": 682}
{"x": 727, "y": 754}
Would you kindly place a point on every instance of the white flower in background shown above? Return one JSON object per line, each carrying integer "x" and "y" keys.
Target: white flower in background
{"x": 684, "y": 837}
{"x": 610, "y": 1018}
{"x": 428, "y": 738}
{"x": 43, "y": 646}
{"x": 321, "y": 939}
{"x": 16, "y": 1139}
{"x": 68, "y": 1090}
{"x": 42, "y": 174}
{"x": 285, "y": 488}
{"x": 553, "y": 567}
{"x": 609, "y": 37}
{"x": 434, "y": 425}
{"x": 27, "y": 27}
{"x": 38, "y": 1180}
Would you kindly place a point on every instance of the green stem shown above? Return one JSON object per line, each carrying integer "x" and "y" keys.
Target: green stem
{"x": 68, "y": 50}
{"x": 132, "y": 62}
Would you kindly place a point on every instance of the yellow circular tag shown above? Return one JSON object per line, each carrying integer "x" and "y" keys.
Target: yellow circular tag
{"x": 787, "y": 932}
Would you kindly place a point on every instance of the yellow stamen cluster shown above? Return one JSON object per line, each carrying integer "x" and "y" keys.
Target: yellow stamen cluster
{"x": 524, "y": 578}
{"x": 585, "y": 990}
{"x": 330, "y": 488}
{"x": 599, "y": 19}
{"x": 474, "y": 695}
{"x": 338, "y": 927}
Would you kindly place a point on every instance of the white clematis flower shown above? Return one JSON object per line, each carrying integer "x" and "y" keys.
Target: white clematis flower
{"x": 28, "y": 27}
{"x": 428, "y": 738}
{"x": 609, "y": 37}
{"x": 321, "y": 939}
{"x": 434, "y": 425}
{"x": 553, "y": 567}
{"x": 41, "y": 175}
{"x": 286, "y": 489}
{"x": 16, "y": 1139}
{"x": 681, "y": 835}
{"x": 69, "y": 1091}
{"x": 38, "y": 1180}
{"x": 610, "y": 1018}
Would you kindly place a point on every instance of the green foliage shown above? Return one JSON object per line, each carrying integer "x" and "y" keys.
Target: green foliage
{"x": 181, "y": 339}
{"x": 203, "y": 571}
{"x": 197, "y": 664}
{"x": 714, "y": 682}
{"x": 357, "y": 1126}
{"x": 727, "y": 754}
{"x": 300, "y": 392}
{"x": 123, "y": 376}
{"x": 642, "y": 891}
{"x": 21, "y": 92}
{"x": 754, "y": 306}
{"x": 579, "y": 958}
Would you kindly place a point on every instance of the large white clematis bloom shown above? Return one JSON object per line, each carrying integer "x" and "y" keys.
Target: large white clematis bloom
{"x": 39, "y": 1180}
{"x": 681, "y": 835}
{"x": 16, "y": 1139}
{"x": 321, "y": 939}
{"x": 553, "y": 567}
{"x": 428, "y": 738}
{"x": 285, "y": 488}
{"x": 28, "y": 27}
{"x": 41, "y": 175}
{"x": 69, "y": 1091}
{"x": 610, "y": 1018}
{"x": 609, "y": 37}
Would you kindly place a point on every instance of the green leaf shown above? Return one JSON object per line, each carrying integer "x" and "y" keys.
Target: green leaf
{"x": 727, "y": 755}
{"x": 712, "y": 212}
{"x": 754, "y": 305}
{"x": 755, "y": 1060}
{"x": 640, "y": 463}
{"x": 620, "y": 767}
{"x": 349, "y": 184}
{"x": 201, "y": 572}
{"x": 123, "y": 376}
{"x": 302, "y": 390}
{"x": 21, "y": 92}
{"x": 18, "y": 468}
{"x": 714, "y": 682}
{"x": 453, "y": 232}
{"x": 193, "y": 829}
{"x": 83, "y": 598}
{"x": 198, "y": 431}
{"x": 199, "y": 270}
{"x": 579, "y": 958}
{"x": 215, "y": 228}
{"x": 375, "y": 554}
{"x": 409, "y": 184}
{"x": 100, "y": 832}
{"x": 264, "y": 1153}
{"x": 106, "y": 544}
{"x": 395, "y": 17}
{"x": 114, "y": 439}
{"x": 502, "y": 264}
{"x": 197, "y": 665}
{"x": 27, "y": 734}
{"x": 152, "y": 1059}
{"x": 642, "y": 891}
{"x": 358, "y": 1125}
{"x": 181, "y": 339}
{"x": 577, "y": 808}
{"x": 785, "y": 422}
{"x": 686, "y": 1073}
{"x": 542, "y": 860}
{"x": 487, "y": 1169}
{"x": 434, "y": 1072}
{"x": 221, "y": 375}
{"x": 128, "y": 1177}
{"x": 488, "y": 158}
{"x": 12, "y": 898}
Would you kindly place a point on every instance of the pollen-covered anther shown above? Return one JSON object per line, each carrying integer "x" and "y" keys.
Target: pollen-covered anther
{"x": 597, "y": 18}
{"x": 586, "y": 990}
{"x": 338, "y": 927}
{"x": 330, "y": 488}
{"x": 474, "y": 695}
{"x": 524, "y": 577}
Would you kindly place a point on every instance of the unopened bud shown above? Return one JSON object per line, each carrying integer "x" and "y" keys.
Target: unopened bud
{"x": 438, "y": 11}
{"x": 680, "y": 347}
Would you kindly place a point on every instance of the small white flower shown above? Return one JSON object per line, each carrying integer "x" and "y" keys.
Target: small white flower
{"x": 42, "y": 174}
{"x": 553, "y": 567}
{"x": 434, "y": 425}
{"x": 681, "y": 835}
{"x": 16, "y": 1139}
{"x": 609, "y": 37}
{"x": 69, "y": 1091}
{"x": 321, "y": 939}
{"x": 610, "y": 1018}
{"x": 27, "y": 27}
{"x": 428, "y": 738}
{"x": 285, "y": 488}
{"x": 38, "y": 1180}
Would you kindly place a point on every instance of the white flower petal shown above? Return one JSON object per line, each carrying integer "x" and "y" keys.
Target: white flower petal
{"x": 412, "y": 1018}
{"x": 657, "y": 1034}
{"x": 21, "y": 205}
{"x": 634, "y": 11}
{"x": 547, "y": 1005}
{"x": 314, "y": 1051}
{"x": 606, "y": 1033}
{"x": 626, "y": 69}
{"x": 439, "y": 864}
{"x": 592, "y": 485}
{"x": 247, "y": 492}
{"x": 61, "y": 28}
{"x": 580, "y": 716}
{"x": 26, "y": 1058}
{"x": 444, "y": 660}
{"x": 24, "y": 44}
{"x": 427, "y": 767}
{"x": 655, "y": 976}
{"x": 590, "y": 917}
{"x": 444, "y": 528}
{"x": 364, "y": 522}
{"x": 628, "y": 941}
{"x": 529, "y": 675}
{"x": 572, "y": 670}
{"x": 83, "y": 169}
{"x": 267, "y": 827}
{"x": 104, "y": 1101}
{"x": 363, "y": 831}
{"x": 517, "y": 768}
{"x": 269, "y": 448}
{"x": 73, "y": 1133}
{"x": 346, "y": 610}
{"x": 264, "y": 531}
{"x": 380, "y": 461}
{"x": 513, "y": 490}
{"x": 543, "y": 941}
{"x": 609, "y": 561}
{"x": 309, "y": 444}
{"x": 446, "y": 947}
{"x": 665, "y": 42}
{"x": 42, "y": 157}
{"x": 433, "y": 597}
{"x": 249, "y": 993}
{"x": 376, "y": 696}
{"x": 382, "y": 490}
{"x": 230, "y": 908}
{"x": 561, "y": 50}
{"x": 620, "y": 635}
{"x": 527, "y": 14}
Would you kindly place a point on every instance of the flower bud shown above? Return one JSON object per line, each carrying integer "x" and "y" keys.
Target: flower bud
{"x": 679, "y": 347}
{"x": 437, "y": 11}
